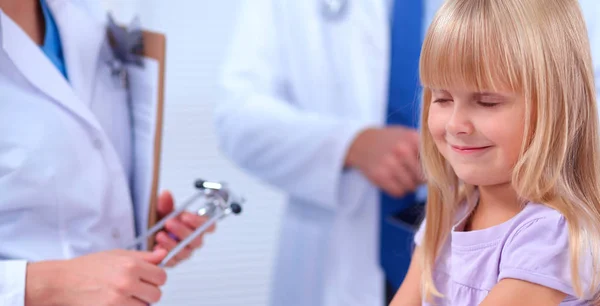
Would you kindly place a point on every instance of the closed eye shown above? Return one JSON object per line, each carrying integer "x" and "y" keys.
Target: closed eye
{"x": 487, "y": 104}
{"x": 442, "y": 100}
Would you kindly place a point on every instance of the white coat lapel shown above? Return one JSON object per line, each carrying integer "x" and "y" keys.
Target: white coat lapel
{"x": 81, "y": 35}
{"x": 35, "y": 66}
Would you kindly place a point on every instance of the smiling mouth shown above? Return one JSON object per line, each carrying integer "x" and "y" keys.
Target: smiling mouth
{"x": 468, "y": 149}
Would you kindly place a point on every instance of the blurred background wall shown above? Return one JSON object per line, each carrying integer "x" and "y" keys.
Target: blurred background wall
{"x": 234, "y": 266}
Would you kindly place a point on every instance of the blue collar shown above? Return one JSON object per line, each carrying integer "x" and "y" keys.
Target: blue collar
{"x": 52, "y": 46}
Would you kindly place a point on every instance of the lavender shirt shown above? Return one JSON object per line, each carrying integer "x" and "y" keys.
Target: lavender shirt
{"x": 532, "y": 246}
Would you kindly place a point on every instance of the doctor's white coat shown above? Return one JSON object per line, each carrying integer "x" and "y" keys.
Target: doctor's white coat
{"x": 65, "y": 148}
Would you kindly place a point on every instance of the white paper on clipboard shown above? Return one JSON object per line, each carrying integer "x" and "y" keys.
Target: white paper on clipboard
{"x": 144, "y": 105}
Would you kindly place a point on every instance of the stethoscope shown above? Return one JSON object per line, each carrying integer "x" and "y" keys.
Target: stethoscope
{"x": 333, "y": 9}
{"x": 220, "y": 202}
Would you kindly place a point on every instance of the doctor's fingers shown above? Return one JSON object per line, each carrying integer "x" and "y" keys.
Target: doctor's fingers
{"x": 167, "y": 243}
{"x": 385, "y": 177}
{"x": 145, "y": 292}
{"x": 181, "y": 230}
{"x": 391, "y": 187}
{"x": 121, "y": 300}
{"x": 401, "y": 177}
{"x": 382, "y": 175}
{"x": 409, "y": 159}
{"x": 138, "y": 265}
{"x": 151, "y": 274}
{"x": 194, "y": 221}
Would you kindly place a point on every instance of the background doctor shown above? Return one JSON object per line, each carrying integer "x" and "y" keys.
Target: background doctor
{"x": 321, "y": 101}
{"x": 66, "y": 166}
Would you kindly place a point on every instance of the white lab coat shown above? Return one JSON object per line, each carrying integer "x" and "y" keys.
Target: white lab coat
{"x": 65, "y": 148}
{"x": 298, "y": 88}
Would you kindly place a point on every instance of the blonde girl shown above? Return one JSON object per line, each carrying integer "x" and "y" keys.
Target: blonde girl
{"x": 511, "y": 153}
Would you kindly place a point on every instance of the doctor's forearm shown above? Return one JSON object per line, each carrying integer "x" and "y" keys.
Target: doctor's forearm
{"x": 116, "y": 277}
{"x": 292, "y": 149}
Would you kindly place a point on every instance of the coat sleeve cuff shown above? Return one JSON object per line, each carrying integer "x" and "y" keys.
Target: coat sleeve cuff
{"x": 347, "y": 180}
{"x": 12, "y": 282}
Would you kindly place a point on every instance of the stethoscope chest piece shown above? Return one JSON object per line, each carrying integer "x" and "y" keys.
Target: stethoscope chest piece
{"x": 333, "y": 9}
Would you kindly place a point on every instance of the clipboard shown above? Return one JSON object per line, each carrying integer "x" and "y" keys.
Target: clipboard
{"x": 146, "y": 90}
{"x": 156, "y": 47}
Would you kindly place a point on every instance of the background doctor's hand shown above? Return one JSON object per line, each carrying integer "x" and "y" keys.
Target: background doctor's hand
{"x": 116, "y": 277}
{"x": 177, "y": 229}
{"x": 388, "y": 157}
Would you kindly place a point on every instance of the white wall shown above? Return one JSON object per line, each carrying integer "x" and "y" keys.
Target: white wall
{"x": 235, "y": 265}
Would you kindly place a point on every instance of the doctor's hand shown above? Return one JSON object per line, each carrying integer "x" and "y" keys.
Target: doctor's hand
{"x": 119, "y": 277}
{"x": 177, "y": 229}
{"x": 389, "y": 158}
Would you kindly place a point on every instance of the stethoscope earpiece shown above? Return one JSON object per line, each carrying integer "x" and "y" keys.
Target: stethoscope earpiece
{"x": 236, "y": 208}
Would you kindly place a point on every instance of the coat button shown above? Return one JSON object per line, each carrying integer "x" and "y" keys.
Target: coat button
{"x": 97, "y": 143}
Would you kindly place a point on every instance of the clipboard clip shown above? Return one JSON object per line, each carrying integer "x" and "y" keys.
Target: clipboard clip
{"x": 220, "y": 202}
{"x": 127, "y": 44}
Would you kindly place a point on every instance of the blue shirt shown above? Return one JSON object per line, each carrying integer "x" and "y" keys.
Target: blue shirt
{"x": 52, "y": 46}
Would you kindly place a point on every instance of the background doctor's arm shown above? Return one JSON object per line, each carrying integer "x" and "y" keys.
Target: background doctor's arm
{"x": 299, "y": 151}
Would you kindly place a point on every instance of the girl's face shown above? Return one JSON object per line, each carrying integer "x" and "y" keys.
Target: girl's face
{"x": 478, "y": 133}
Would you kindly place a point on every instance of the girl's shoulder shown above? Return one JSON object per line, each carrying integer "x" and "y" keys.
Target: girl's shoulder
{"x": 537, "y": 226}
{"x": 536, "y": 250}
{"x": 537, "y": 217}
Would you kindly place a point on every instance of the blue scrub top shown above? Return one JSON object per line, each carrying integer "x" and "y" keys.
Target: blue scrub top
{"x": 52, "y": 46}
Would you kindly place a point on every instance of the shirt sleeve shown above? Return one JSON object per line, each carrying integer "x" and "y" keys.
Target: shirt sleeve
{"x": 12, "y": 282}
{"x": 538, "y": 252}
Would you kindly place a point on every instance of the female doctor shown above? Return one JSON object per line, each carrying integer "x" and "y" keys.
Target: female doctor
{"x": 66, "y": 166}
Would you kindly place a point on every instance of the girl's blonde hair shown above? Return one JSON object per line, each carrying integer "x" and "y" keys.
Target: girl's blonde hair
{"x": 539, "y": 49}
